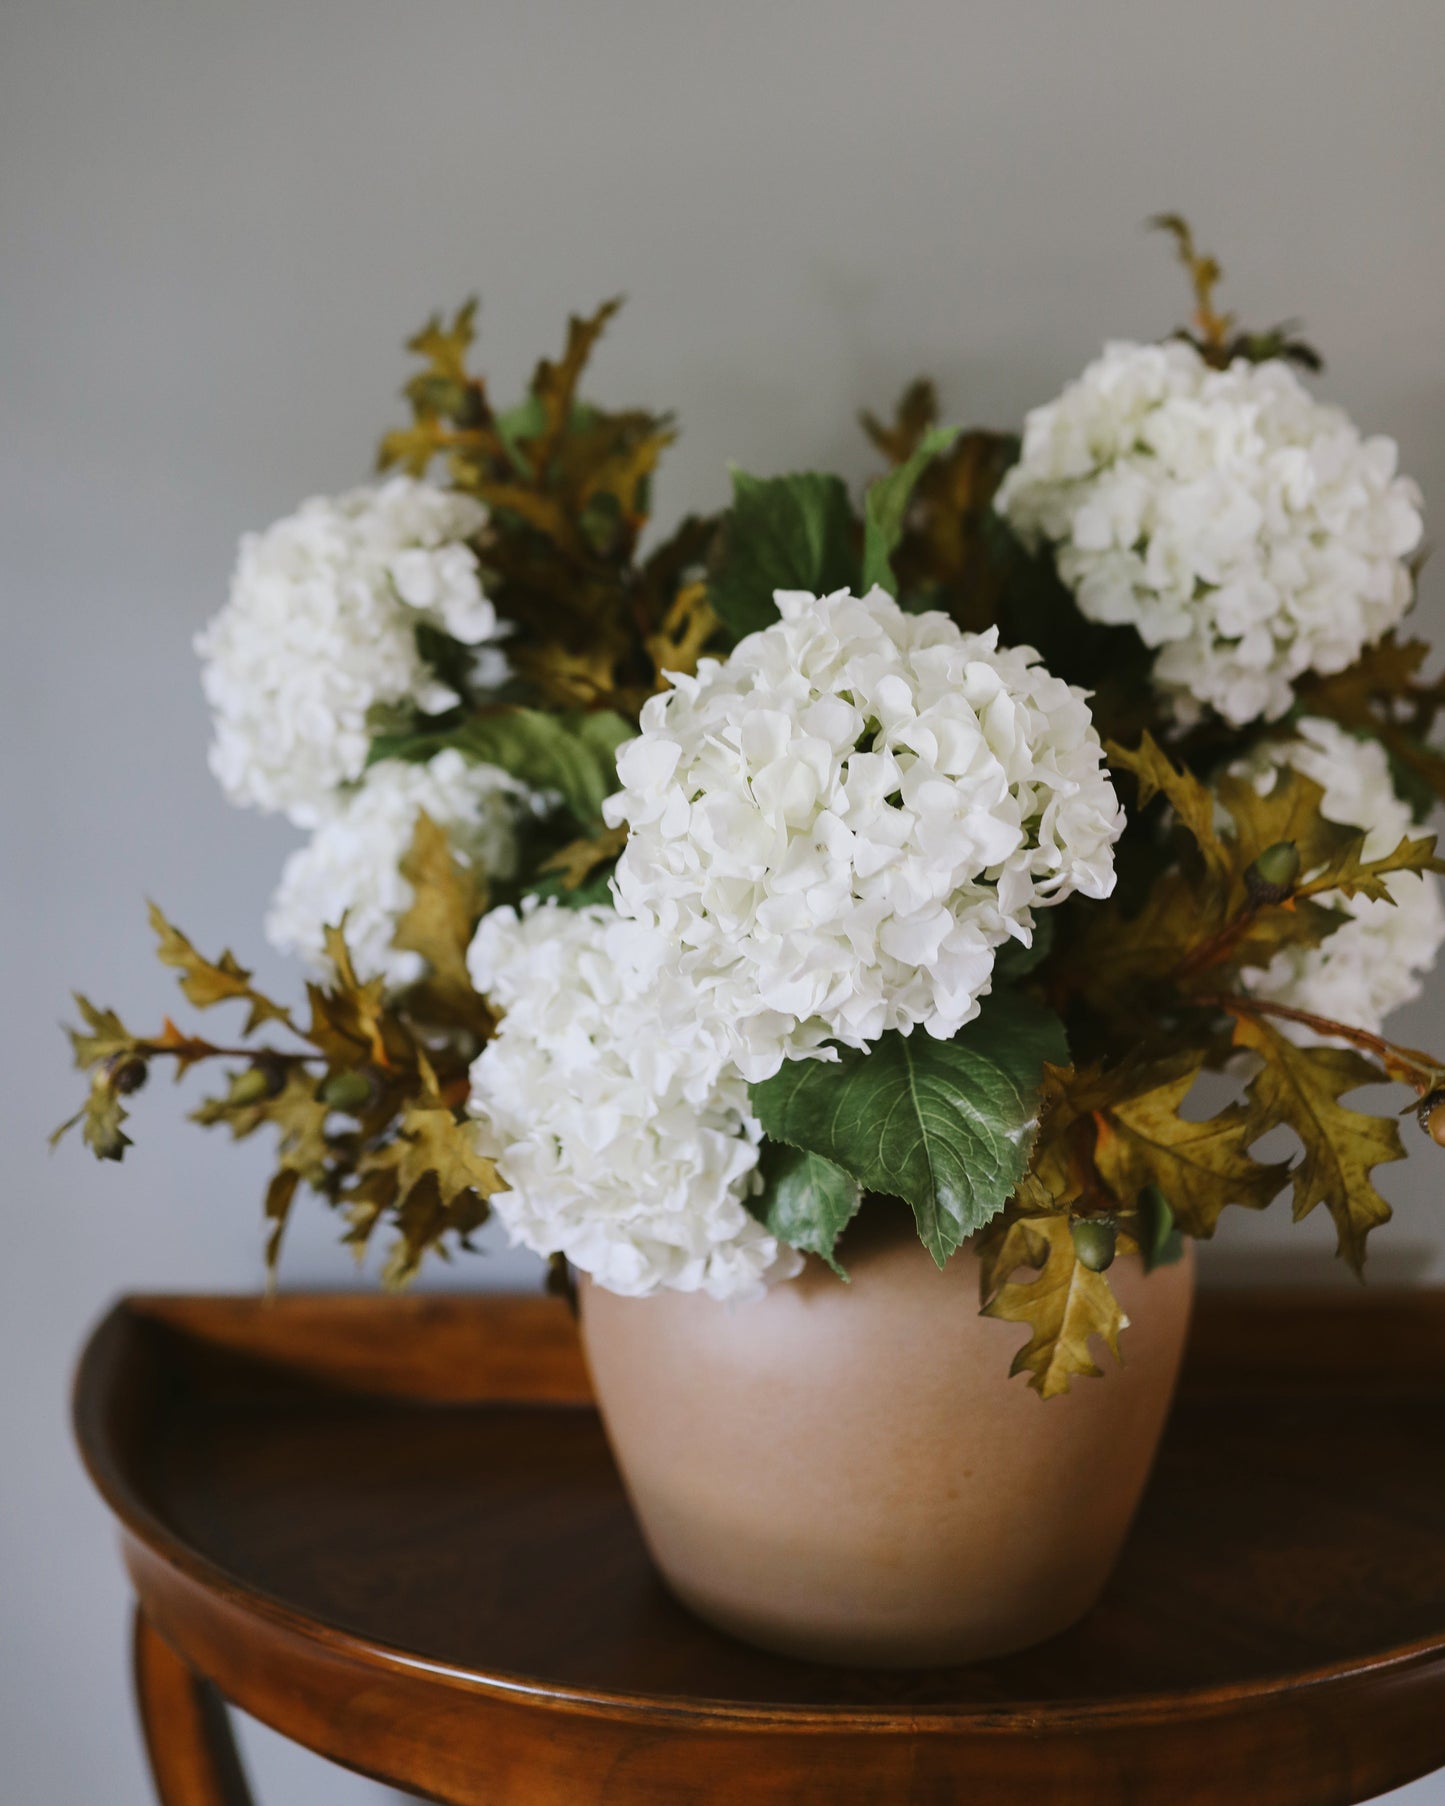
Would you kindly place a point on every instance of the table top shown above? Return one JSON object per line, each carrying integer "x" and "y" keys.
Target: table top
{"x": 393, "y": 1530}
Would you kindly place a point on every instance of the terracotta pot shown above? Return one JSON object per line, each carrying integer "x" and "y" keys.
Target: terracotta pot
{"x": 847, "y": 1473}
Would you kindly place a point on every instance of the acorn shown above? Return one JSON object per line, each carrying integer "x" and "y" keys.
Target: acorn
{"x": 350, "y": 1091}
{"x": 1430, "y": 1114}
{"x": 1272, "y": 875}
{"x": 252, "y": 1086}
{"x": 127, "y": 1075}
{"x": 1094, "y": 1242}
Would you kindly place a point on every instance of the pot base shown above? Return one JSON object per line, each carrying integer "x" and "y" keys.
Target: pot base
{"x": 847, "y": 1474}
{"x": 871, "y": 1645}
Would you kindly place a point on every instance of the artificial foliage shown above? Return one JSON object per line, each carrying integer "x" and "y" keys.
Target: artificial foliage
{"x": 1053, "y": 1127}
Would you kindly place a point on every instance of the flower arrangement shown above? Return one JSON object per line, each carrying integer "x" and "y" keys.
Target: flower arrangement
{"x": 671, "y": 902}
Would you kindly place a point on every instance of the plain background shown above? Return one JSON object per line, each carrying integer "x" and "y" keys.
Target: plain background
{"x": 217, "y": 224}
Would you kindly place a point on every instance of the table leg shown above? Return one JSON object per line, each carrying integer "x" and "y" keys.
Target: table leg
{"x": 188, "y": 1735}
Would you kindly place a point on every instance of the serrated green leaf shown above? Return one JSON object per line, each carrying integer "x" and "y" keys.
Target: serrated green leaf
{"x": 945, "y": 1125}
{"x": 886, "y": 505}
{"x": 807, "y": 1202}
{"x": 791, "y": 532}
{"x": 573, "y": 754}
{"x": 597, "y": 890}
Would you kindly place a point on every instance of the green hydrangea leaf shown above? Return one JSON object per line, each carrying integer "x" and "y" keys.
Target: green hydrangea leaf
{"x": 807, "y": 1201}
{"x": 574, "y": 754}
{"x": 552, "y": 888}
{"x": 945, "y": 1125}
{"x": 516, "y": 425}
{"x": 886, "y": 505}
{"x": 792, "y": 532}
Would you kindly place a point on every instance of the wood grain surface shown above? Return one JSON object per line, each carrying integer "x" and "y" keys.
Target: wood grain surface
{"x": 391, "y": 1529}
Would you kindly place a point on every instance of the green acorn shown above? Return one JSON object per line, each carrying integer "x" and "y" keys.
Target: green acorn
{"x": 1273, "y": 874}
{"x": 253, "y": 1086}
{"x": 1094, "y": 1241}
{"x": 346, "y": 1091}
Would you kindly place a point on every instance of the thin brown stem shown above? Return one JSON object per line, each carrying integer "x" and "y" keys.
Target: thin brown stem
{"x": 1409, "y": 1065}
{"x": 194, "y": 1051}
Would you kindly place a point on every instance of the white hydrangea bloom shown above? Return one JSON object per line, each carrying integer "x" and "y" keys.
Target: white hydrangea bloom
{"x": 838, "y": 827}
{"x": 625, "y": 1139}
{"x": 321, "y": 624}
{"x": 1374, "y": 963}
{"x": 351, "y": 865}
{"x": 1247, "y": 531}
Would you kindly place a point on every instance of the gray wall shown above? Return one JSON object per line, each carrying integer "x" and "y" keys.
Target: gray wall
{"x": 217, "y": 224}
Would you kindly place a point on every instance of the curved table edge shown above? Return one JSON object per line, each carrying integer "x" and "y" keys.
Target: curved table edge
{"x": 142, "y": 1526}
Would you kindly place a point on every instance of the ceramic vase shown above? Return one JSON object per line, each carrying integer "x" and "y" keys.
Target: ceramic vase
{"x": 847, "y": 1473}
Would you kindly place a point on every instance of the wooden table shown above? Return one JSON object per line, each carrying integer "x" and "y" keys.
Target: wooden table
{"x": 392, "y": 1531}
